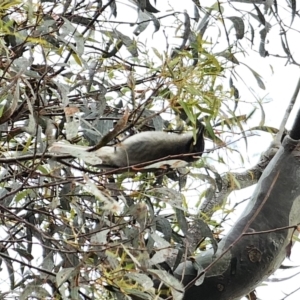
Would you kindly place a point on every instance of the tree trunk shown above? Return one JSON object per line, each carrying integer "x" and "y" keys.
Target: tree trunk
{"x": 247, "y": 255}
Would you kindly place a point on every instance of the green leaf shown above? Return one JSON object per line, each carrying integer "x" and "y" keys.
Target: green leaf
{"x": 188, "y": 110}
{"x": 257, "y": 77}
{"x": 22, "y": 195}
{"x": 77, "y": 59}
{"x": 157, "y": 53}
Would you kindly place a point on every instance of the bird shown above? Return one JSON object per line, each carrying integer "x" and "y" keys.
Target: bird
{"x": 143, "y": 147}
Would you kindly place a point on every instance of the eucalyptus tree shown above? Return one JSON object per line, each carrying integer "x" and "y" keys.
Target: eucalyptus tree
{"x": 84, "y": 79}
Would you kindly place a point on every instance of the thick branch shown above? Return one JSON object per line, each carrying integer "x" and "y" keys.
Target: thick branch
{"x": 232, "y": 181}
{"x": 256, "y": 245}
{"x": 229, "y": 180}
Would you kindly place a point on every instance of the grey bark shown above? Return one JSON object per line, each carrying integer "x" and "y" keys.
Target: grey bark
{"x": 244, "y": 179}
{"x": 256, "y": 245}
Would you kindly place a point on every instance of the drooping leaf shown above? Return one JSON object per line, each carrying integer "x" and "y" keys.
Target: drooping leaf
{"x": 252, "y": 33}
{"x": 196, "y": 13}
{"x": 239, "y": 26}
{"x": 146, "y": 5}
{"x": 176, "y": 287}
{"x": 260, "y": 16}
{"x": 24, "y": 254}
{"x": 182, "y": 223}
{"x": 188, "y": 110}
{"x": 186, "y": 30}
{"x": 9, "y": 107}
{"x": 257, "y": 77}
{"x": 113, "y": 7}
{"x": 163, "y": 225}
{"x": 284, "y": 47}
{"x": 267, "y": 129}
{"x": 229, "y": 122}
{"x": 294, "y": 10}
{"x": 126, "y": 40}
{"x": 228, "y": 55}
{"x": 143, "y": 23}
{"x": 276, "y": 6}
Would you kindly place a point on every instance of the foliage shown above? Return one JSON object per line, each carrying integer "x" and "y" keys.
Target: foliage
{"x": 71, "y": 71}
